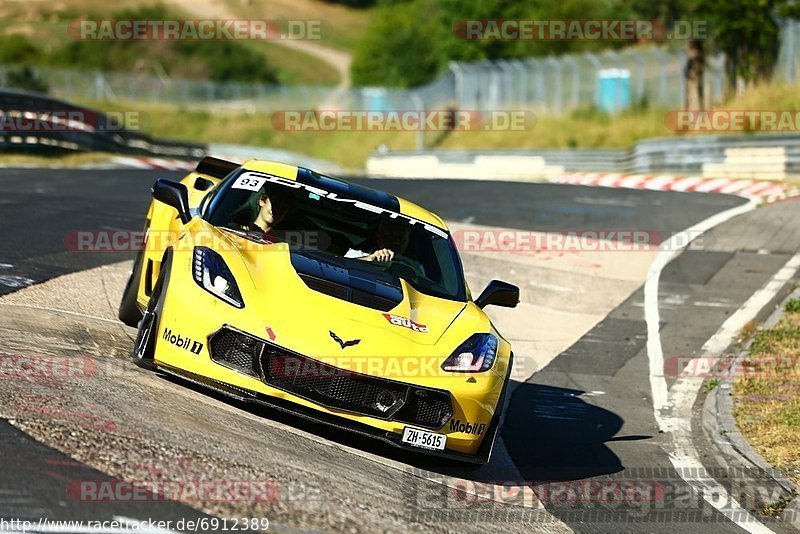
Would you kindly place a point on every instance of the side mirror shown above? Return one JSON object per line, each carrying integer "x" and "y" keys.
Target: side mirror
{"x": 499, "y": 293}
{"x": 173, "y": 194}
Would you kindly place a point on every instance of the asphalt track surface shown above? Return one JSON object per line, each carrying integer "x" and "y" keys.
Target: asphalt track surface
{"x": 586, "y": 419}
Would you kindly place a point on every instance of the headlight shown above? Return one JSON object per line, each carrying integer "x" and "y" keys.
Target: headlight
{"x": 211, "y": 273}
{"x": 475, "y": 355}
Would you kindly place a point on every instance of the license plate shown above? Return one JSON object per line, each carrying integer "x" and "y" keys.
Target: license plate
{"x": 424, "y": 439}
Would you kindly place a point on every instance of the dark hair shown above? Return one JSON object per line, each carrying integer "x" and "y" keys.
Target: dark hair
{"x": 281, "y": 199}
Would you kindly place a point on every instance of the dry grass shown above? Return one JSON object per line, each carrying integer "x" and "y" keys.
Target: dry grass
{"x": 341, "y": 25}
{"x": 348, "y": 149}
{"x": 585, "y": 128}
{"x": 580, "y": 129}
{"x": 66, "y": 161}
{"x": 295, "y": 67}
{"x": 747, "y": 332}
{"x": 767, "y": 398}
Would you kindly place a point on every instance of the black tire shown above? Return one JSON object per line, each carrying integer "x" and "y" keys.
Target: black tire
{"x": 129, "y": 312}
{"x": 144, "y": 348}
{"x": 485, "y": 450}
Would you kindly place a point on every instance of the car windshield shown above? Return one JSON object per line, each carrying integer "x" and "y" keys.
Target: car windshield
{"x": 316, "y": 221}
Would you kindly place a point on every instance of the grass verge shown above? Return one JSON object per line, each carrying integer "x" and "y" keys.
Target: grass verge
{"x": 61, "y": 161}
{"x": 348, "y": 149}
{"x": 767, "y": 394}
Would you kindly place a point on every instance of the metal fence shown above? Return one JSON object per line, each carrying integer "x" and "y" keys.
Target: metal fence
{"x": 611, "y": 81}
{"x": 788, "y": 65}
{"x": 549, "y": 85}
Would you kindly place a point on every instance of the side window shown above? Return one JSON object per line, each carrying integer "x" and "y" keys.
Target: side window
{"x": 205, "y": 204}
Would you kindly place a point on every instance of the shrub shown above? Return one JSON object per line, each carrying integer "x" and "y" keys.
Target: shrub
{"x": 25, "y": 78}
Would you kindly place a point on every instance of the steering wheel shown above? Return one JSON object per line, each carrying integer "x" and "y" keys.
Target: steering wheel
{"x": 403, "y": 264}
{"x": 400, "y": 266}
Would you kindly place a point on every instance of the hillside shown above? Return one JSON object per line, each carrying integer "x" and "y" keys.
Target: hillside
{"x": 43, "y": 27}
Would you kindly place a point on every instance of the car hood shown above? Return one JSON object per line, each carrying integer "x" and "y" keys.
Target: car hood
{"x": 306, "y": 296}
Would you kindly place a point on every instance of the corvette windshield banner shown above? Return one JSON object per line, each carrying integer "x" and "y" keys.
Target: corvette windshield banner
{"x": 254, "y": 181}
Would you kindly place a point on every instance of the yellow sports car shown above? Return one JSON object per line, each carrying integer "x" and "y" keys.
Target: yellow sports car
{"x": 275, "y": 284}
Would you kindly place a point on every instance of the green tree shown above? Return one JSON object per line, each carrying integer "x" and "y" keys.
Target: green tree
{"x": 216, "y": 60}
{"x": 411, "y": 42}
{"x": 17, "y": 49}
{"x": 456, "y": 12}
{"x": 229, "y": 61}
{"x": 747, "y": 31}
{"x": 399, "y": 49}
{"x": 25, "y": 78}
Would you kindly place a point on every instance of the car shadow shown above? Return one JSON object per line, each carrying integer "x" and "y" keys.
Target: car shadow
{"x": 552, "y": 433}
{"x": 548, "y": 434}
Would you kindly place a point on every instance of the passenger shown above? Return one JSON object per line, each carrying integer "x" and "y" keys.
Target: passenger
{"x": 392, "y": 238}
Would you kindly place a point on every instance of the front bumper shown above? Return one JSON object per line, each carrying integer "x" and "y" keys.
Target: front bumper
{"x": 315, "y": 416}
{"x": 329, "y": 386}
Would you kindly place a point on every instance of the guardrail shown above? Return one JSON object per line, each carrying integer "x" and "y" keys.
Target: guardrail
{"x": 762, "y": 156}
{"x": 30, "y": 122}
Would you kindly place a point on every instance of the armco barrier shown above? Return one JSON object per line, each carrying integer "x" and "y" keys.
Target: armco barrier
{"x": 35, "y": 123}
{"x": 763, "y": 156}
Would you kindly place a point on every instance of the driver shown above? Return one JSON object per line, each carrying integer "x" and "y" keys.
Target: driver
{"x": 273, "y": 206}
{"x": 392, "y": 238}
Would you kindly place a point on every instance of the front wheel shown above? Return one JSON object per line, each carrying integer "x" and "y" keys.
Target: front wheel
{"x": 129, "y": 312}
{"x": 144, "y": 348}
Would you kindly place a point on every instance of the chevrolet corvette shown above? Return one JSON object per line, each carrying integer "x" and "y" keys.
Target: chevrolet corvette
{"x": 338, "y": 303}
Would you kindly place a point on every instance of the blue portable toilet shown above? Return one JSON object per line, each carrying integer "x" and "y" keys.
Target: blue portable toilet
{"x": 375, "y": 99}
{"x": 613, "y": 89}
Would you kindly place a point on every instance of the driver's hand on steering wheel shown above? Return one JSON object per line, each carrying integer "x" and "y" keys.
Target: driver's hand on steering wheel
{"x": 383, "y": 254}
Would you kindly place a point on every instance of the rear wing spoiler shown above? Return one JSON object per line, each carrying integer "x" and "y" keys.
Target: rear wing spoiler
{"x": 215, "y": 167}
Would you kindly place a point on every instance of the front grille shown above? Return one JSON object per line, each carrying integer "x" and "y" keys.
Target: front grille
{"x": 331, "y": 386}
{"x": 342, "y": 292}
{"x": 429, "y": 408}
{"x": 235, "y": 350}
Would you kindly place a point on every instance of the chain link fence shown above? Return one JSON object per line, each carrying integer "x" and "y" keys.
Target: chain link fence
{"x": 611, "y": 81}
{"x": 788, "y": 65}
